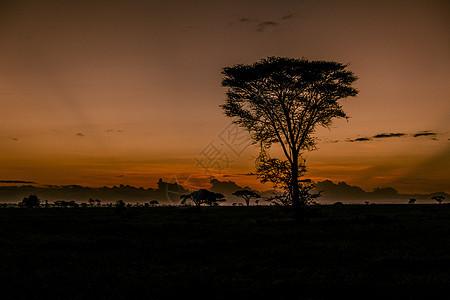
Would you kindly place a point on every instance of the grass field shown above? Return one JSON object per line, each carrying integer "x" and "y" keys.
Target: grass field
{"x": 352, "y": 251}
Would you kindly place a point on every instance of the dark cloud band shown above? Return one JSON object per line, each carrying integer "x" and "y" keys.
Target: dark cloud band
{"x": 16, "y": 181}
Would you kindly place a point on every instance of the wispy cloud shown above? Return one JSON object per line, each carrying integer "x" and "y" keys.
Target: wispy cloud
{"x": 247, "y": 174}
{"x": 388, "y": 135}
{"x": 425, "y": 133}
{"x": 113, "y": 130}
{"x": 363, "y": 139}
{"x": 80, "y": 134}
{"x": 16, "y": 181}
{"x": 263, "y": 25}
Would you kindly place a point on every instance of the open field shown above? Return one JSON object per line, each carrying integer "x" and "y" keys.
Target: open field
{"x": 356, "y": 251}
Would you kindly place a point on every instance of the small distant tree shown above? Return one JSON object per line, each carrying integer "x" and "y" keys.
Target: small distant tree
{"x": 412, "y": 201}
{"x": 203, "y": 196}
{"x": 214, "y": 199}
{"x": 439, "y": 199}
{"x": 154, "y": 203}
{"x": 257, "y": 202}
{"x": 120, "y": 207}
{"x": 99, "y": 202}
{"x": 73, "y": 204}
{"x": 246, "y": 195}
{"x": 91, "y": 202}
{"x": 30, "y": 201}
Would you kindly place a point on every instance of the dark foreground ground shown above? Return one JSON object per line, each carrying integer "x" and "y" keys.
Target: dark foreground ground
{"x": 375, "y": 251}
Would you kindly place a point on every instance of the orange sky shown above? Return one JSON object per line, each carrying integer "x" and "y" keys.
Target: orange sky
{"x": 99, "y": 93}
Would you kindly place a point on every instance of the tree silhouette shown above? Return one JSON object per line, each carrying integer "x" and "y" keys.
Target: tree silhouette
{"x": 203, "y": 196}
{"x": 30, "y": 201}
{"x": 65, "y": 204}
{"x": 120, "y": 207}
{"x": 439, "y": 199}
{"x": 154, "y": 203}
{"x": 282, "y": 101}
{"x": 412, "y": 201}
{"x": 246, "y": 195}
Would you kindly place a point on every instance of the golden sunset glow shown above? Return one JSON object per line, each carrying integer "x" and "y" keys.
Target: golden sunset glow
{"x": 101, "y": 93}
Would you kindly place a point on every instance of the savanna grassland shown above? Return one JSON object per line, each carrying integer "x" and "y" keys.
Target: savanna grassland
{"x": 350, "y": 251}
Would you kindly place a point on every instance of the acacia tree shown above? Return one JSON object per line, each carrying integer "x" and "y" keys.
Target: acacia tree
{"x": 246, "y": 195}
{"x": 439, "y": 199}
{"x": 283, "y": 101}
{"x": 203, "y": 196}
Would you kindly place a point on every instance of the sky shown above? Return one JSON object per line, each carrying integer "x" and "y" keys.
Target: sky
{"x": 101, "y": 93}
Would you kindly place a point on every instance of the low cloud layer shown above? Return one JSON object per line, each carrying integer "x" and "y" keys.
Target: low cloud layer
{"x": 16, "y": 181}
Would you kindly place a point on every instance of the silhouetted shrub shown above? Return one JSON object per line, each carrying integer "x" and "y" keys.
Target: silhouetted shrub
{"x": 120, "y": 207}
{"x": 30, "y": 201}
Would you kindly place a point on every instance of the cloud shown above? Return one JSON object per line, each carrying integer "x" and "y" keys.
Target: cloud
{"x": 16, "y": 181}
{"x": 263, "y": 25}
{"x": 14, "y": 139}
{"x": 362, "y": 139}
{"x": 113, "y": 130}
{"x": 80, "y": 134}
{"x": 425, "y": 133}
{"x": 388, "y": 135}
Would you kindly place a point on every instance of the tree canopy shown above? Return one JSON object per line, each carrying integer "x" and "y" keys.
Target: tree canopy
{"x": 246, "y": 195}
{"x": 31, "y": 201}
{"x": 203, "y": 196}
{"x": 283, "y": 101}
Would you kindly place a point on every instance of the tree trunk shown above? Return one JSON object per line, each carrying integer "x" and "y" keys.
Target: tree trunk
{"x": 294, "y": 182}
{"x": 298, "y": 206}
